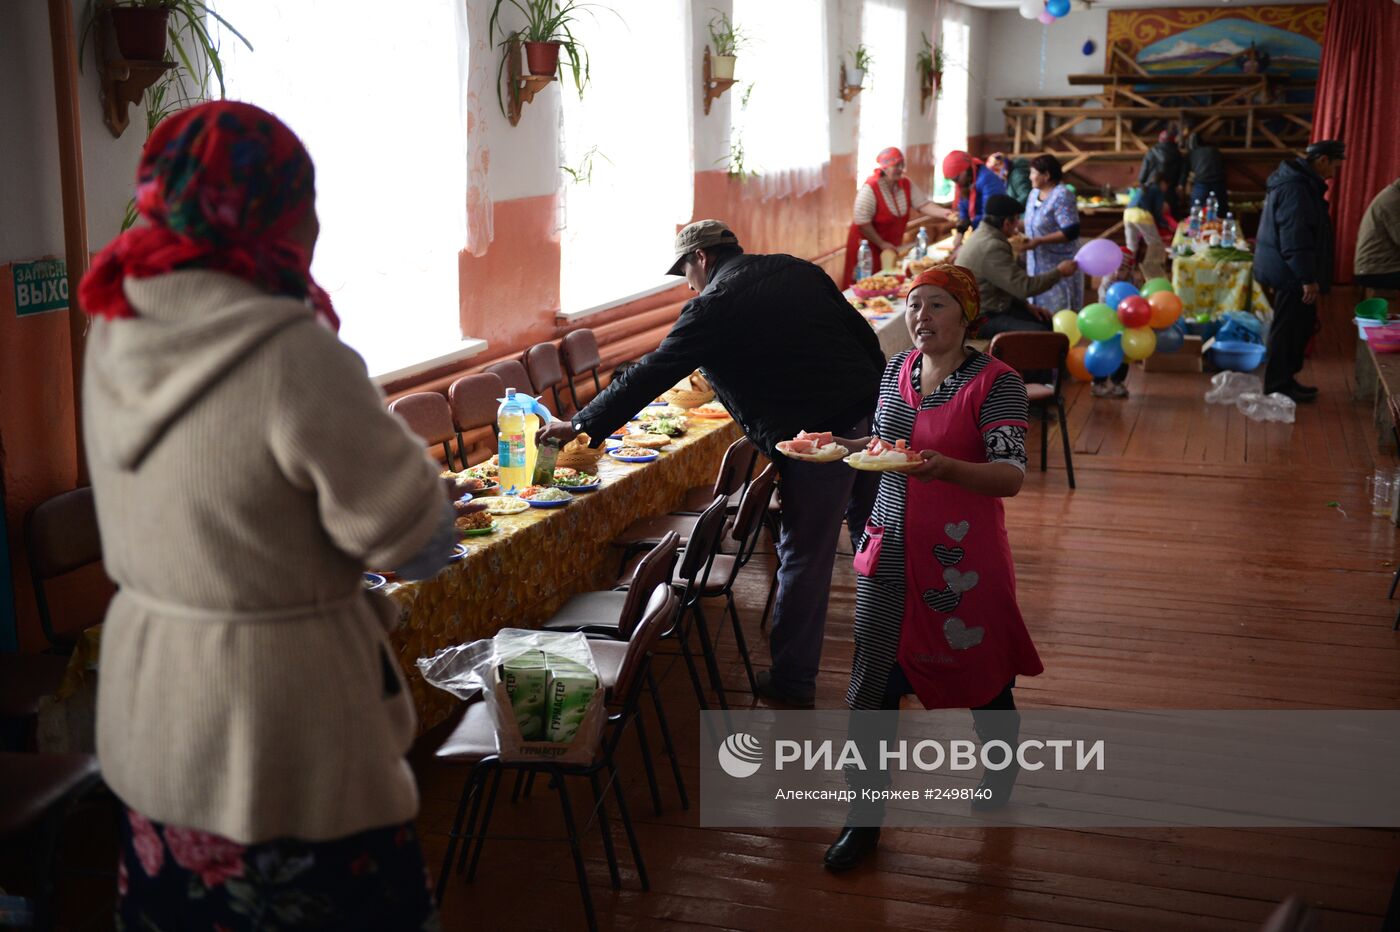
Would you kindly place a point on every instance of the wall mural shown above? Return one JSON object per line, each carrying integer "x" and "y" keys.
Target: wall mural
{"x": 1283, "y": 40}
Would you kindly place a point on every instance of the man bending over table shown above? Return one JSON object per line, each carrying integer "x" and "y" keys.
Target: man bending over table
{"x": 784, "y": 352}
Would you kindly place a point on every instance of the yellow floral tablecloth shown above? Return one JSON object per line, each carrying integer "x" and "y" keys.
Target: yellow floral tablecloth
{"x": 536, "y": 560}
{"x": 1209, "y": 287}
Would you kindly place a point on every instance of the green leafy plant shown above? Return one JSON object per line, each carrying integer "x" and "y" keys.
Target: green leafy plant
{"x": 727, "y": 38}
{"x": 930, "y": 64}
{"x": 734, "y": 165}
{"x": 547, "y": 21}
{"x": 863, "y": 58}
{"x": 583, "y": 173}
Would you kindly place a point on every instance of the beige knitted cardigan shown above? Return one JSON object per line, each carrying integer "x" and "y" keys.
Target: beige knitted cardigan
{"x": 246, "y": 472}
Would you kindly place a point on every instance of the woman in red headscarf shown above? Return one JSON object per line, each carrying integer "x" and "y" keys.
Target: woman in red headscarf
{"x": 936, "y": 611}
{"x": 975, "y": 183}
{"x": 884, "y": 204}
{"x": 251, "y": 712}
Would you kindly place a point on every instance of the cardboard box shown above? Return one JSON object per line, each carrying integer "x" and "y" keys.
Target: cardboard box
{"x": 1186, "y": 359}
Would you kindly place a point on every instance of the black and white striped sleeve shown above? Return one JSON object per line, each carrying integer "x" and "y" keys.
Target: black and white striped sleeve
{"x": 1002, "y": 419}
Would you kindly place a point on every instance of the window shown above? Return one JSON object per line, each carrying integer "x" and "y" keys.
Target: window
{"x": 627, "y": 176}
{"x": 389, "y": 144}
{"x": 882, "y": 109}
{"x": 951, "y": 130}
{"x": 783, "y": 77}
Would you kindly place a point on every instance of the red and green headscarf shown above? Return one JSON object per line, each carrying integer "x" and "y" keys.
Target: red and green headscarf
{"x": 221, "y": 185}
{"x": 958, "y": 282}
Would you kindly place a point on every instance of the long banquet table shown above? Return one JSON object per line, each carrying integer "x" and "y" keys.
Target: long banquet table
{"x": 536, "y": 560}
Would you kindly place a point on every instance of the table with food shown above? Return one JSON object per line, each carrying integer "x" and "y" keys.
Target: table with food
{"x": 1211, "y": 278}
{"x": 879, "y": 299}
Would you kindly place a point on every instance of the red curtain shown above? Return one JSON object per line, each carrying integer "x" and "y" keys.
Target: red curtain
{"x": 1357, "y": 88}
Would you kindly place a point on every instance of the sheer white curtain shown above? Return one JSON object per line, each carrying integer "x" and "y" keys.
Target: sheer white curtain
{"x": 951, "y": 131}
{"x": 389, "y": 144}
{"x": 882, "y": 106}
{"x": 783, "y": 127}
{"x": 630, "y": 176}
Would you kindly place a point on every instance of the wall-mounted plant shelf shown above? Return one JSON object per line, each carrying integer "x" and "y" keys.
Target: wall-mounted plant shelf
{"x": 929, "y": 83}
{"x": 848, "y": 90}
{"x": 521, "y": 88}
{"x": 714, "y": 87}
{"x": 122, "y": 81}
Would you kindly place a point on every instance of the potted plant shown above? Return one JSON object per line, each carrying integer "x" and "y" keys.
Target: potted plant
{"x": 931, "y": 66}
{"x": 727, "y": 40}
{"x": 863, "y": 61}
{"x": 546, "y": 32}
{"x": 141, "y": 28}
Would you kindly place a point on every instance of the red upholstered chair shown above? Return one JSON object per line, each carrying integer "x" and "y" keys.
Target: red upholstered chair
{"x": 579, "y": 350}
{"x": 474, "y": 400}
{"x": 428, "y": 415}
{"x": 61, "y": 537}
{"x": 1039, "y": 351}
{"x": 546, "y": 371}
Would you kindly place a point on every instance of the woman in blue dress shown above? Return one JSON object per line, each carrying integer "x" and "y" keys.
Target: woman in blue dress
{"x": 1052, "y": 224}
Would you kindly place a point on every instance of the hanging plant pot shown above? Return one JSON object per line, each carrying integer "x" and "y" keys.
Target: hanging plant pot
{"x": 542, "y": 58}
{"x": 858, "y": 77}
{"x": 140, "y": 32}
{"x": 722, "y": 67}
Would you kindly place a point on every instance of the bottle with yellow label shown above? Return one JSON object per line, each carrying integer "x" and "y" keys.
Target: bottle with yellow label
{"x": 512, "y": 467}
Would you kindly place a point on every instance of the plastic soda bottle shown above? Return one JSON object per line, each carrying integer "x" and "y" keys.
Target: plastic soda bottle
{"x": 921, "y": 251}
{"x": 1212, "y": 207}
{"x": 1196, "y": 211}
{"x": 863, "y": 261}
{"x": 1228, "y": 232}
{"x": 511, "y": 463}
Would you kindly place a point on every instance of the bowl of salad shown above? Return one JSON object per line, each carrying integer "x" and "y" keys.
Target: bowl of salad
{"x": 573, "y": 480}
{"x": 543, "y": 496}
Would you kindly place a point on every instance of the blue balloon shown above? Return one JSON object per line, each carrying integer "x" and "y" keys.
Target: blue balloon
{"x": 1104, "y": 356}
{"x": 1089, "y": 47}
{"x": 1118, "y": 291}
{"x": 1058, "y": 8}
{"x": 1170, "y": 339}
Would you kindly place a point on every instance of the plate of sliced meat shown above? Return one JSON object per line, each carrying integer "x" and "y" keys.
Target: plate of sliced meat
{"x": 883, "y": 456}
{"x": 812, "y": 447}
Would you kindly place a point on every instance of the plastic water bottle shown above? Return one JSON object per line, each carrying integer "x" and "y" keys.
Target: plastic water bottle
{"x": 1212, "y": 207}
{"x": 863, "y": 261}
{"x": 512, "y": 464}
{"x": 921, "y": 250}
{"x": 1196, "y": 211}
{"x": 1228, "y": 231}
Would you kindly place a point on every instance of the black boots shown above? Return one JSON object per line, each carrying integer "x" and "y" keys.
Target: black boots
{"x": 851, "y": 847}
{"x": 994, "y": 790}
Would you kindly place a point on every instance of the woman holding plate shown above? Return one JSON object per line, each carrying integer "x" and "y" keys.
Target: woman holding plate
{"x": 936, "y": 611}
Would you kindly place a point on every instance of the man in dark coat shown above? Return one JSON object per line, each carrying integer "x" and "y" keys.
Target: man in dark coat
{"x": 1205, "y": 166}
{"x": 785, "y": 352}
{"x": 1166, "y": 158}
{"x": 1293, "y": 258}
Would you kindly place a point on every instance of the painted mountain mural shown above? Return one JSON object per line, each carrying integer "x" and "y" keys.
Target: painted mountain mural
{"x": 1214, "y": 42}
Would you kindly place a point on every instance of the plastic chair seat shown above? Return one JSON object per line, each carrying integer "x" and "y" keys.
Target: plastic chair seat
{"x": 649, "y": 530}
{"x": 32, "y": 784}
{"x": 474, "y": 738}
{"x": 722, "y": 572}
{"x": 597, "y": 610}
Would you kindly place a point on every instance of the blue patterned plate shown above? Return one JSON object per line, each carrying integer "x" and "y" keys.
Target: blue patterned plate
{"x": 635, "y": 459}
{"x": 374, "y": 581}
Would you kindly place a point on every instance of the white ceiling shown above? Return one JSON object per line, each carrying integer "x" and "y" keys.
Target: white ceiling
{"x": 1129, "y": 4}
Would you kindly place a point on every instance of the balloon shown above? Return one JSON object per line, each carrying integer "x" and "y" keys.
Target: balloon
{"x": 1099, "y": 257}
{"x": 1066, "y": 322}
{"x": 1088, "y": 47}
{"x": 1139, "y": 342}
{"x": 1030, "y": 9}
{"x": 1170, "y": 340}
{"x": 1134, "y": 311}
{"x": 1155, "y": 285}
{"x": 1045, "y": 17}
{"x": 1058, "y": 8}
{"x": 1075, "y": 363}
{"x": 1118, "y": 291}
{"x": 1098, "y": 322}
{"x": 1104, "y": 357}
{"x": 1166, "y": 308}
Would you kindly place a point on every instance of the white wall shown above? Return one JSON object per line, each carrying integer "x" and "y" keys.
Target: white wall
{"x": 1013, "y": 66}
{"x": 31, "y": 199}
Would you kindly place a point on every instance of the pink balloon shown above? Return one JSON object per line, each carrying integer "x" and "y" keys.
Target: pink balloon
{"x": 1046, "y": 17}
{"x": 1099, "y": 257}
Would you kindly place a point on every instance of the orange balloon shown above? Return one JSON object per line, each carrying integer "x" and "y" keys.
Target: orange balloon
{"x": 1075, "y": 364}
{"x": 1166, "y": 308}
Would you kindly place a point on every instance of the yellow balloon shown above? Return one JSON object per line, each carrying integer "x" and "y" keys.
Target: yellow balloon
{"x": 1066, "y": 322}
{"x": 1139, "y": 342}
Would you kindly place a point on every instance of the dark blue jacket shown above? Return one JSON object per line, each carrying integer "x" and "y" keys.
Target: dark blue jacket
{"x": 988, "y": 184}
{"x": 1294, "y": 247}
{"x": 782, "y": 347}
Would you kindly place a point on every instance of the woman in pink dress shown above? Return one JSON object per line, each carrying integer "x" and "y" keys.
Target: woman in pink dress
{"x": 936, "y": 611}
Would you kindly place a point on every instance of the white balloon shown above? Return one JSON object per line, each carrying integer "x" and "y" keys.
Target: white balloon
{"x": 1030, "y": 9}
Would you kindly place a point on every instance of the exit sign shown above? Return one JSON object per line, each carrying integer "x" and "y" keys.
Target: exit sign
{"x": 40, "y": 286}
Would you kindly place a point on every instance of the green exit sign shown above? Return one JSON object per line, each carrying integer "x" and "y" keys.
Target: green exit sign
{"x": 40, "y": 286}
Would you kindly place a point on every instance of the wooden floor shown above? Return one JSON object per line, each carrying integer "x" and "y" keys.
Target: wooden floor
{"x": 1205, "y": 561}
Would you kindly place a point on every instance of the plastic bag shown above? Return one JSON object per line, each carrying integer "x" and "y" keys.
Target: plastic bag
{"x": 1227, "y": 387}
{"x": 1275, "y": 406}
{"x": 467, "y": 670}
{"x": 1240, "y": 327}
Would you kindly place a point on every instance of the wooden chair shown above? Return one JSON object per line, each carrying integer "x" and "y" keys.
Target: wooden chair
{"x": 546, "y": 371}
{"x": 512, "y": 375}
{"x": 473, "y": 743}
{"x": 60, "y": 537}
{"x": 427, "y": 414}
{"x": 579, "y": 350}
{"x": 1039, "y": 351}
{"x": 474, "y": 400}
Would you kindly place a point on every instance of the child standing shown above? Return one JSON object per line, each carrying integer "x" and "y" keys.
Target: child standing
{"x": 1129, "y": 270}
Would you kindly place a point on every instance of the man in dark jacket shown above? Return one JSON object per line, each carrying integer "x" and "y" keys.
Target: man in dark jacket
{"x": 784, "y": 352}
{"x": 1293, "y": 257}
{"x": 1205, "y": 166}
{"x": 1164, "y": 157}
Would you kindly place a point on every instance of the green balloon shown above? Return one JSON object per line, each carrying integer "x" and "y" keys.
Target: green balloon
{"x": 1154, "y": 285}
{"x": 1099, "y": 322}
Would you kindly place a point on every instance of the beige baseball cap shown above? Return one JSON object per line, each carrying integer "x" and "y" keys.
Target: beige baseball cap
{"x": 699, "y": 235}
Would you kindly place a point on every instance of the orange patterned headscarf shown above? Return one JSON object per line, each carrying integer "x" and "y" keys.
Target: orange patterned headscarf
{"x": 958, "y": 282}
